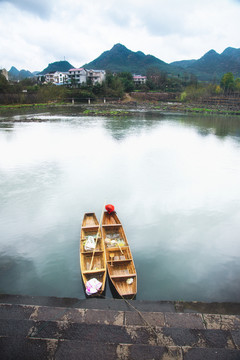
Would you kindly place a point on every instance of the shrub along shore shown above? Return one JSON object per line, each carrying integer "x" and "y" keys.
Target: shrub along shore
{"x": 126, "y": 107}
{"x": 118, "y": 95}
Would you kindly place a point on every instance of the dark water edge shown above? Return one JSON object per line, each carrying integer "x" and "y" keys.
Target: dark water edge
{"x": 223, "y": 308}
{"x": 116, "y": 109}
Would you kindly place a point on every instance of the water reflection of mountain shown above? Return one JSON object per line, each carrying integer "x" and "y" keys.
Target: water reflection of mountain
{"x": 221, "y": 126}
{"x": 6, "y": 126}
{"x": 121, "y": 127}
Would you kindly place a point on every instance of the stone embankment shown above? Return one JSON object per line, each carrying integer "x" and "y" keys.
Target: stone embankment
{"x": 65, "y": 328}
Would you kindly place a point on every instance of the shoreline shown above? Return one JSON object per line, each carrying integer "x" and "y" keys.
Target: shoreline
{"x": 218, "y": 308}
{"x": 118, "y": 109}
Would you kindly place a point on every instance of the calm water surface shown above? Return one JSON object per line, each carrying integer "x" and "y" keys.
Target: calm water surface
{"x": 175, "y": 183}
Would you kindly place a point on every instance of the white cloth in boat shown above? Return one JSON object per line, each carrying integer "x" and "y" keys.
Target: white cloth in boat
{"x": 92, "y": 286}
{"x": 90, "y": 243}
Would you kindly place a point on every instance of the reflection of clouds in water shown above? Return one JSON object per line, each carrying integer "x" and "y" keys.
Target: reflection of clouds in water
{"x": 46, "y": 142}
{"x": 172, "y": 188}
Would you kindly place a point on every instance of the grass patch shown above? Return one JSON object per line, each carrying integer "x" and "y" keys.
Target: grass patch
{"x": 21, "y": 106}
{"x": 95, "y": 112}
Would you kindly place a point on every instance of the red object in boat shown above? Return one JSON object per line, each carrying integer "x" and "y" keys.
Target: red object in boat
{"x": 109, "y": 208}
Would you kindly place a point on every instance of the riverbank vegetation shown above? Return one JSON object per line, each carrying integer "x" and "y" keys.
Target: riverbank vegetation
{"x": 159, "y": 87}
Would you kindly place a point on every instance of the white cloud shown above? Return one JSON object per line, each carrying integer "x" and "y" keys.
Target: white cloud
{"x": 35, "y": 33}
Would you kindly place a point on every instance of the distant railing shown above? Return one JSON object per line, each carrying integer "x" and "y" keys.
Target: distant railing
{"x": 28, "y": 98}
{"x": 89, "y": 100}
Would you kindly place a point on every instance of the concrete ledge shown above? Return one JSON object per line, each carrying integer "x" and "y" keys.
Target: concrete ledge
{"x": 120, "y": 305}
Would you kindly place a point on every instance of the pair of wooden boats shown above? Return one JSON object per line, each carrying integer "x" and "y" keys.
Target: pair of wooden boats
{"x": 110, "y": 252}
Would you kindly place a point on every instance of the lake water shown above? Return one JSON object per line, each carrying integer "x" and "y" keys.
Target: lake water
{"x": 175, "y": 184}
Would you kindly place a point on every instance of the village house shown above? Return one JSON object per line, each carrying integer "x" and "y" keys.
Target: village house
{"x": 74, "y": 77}
{"x": 4, "y": 73}
{"x": 56, "y": 78}
{"x": 139, "y": 79}
{"x": 96, "y": 76}
{"x": 77, "y": 76}
{"x": 61, "y": 78}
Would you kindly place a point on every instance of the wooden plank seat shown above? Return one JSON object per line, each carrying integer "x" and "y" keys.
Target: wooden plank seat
{"x": 93, "y": 271}
{"x": 119, "y": 260}
{"x": 90, "y": 227}
{"x": 122, "y": 276}
{"x": 111, "y": 225}
{"x": 91, "y": 251}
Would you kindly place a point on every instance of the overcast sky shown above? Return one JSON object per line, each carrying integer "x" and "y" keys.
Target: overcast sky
{"x": 34, "y": 33}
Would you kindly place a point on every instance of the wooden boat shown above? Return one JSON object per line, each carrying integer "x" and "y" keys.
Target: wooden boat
{"x": 120, "y": 263}
{"x": 93, "y": 260}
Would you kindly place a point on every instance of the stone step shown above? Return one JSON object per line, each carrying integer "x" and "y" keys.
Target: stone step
{"x": 89, "y": 303}
{"x": 35, "y": 328}
{"x": 29, "y": 348}
{"x": 120, "y": 318}
{"x": 119, "y": 304}
{"x": 115, "y": 334}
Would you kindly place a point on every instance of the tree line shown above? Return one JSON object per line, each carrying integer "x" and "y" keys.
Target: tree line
{"x": 115, "y": 86}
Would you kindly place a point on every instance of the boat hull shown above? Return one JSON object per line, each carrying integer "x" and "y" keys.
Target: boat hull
{"x": 120, "y": 264}
{"x": 92, "y": 260}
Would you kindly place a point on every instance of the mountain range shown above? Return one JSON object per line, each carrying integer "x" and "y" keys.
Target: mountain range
{"x": 15, "y": 74}
{"x": 210, "y": 66}
{"x": 120, "y": 59}
{"x": 213, "y": 65}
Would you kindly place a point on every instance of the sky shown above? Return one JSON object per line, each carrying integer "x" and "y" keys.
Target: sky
{"x": 34, "y": 33}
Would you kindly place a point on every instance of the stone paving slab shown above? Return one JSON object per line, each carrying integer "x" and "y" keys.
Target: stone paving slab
{"x": 41, "y": 313}
{"x": 29, "y": 349}
{"x": 17, "y": 312}
{"x": 236, "y": 338}
{"x": 144, "y": 318}
{"x": 210, "y": 354}
{"x": 93, "y": 351}
{"x": 136, "y": 352}
{"x": 109, "y": 317}
{"x": 161, "y": 336}
{"x": 196, "y": 338}
{"x": 224, "y": 322}
{"x": 77, "y": 331}
{"x": 26, "y": 349}
{"x": 194, "y": 321}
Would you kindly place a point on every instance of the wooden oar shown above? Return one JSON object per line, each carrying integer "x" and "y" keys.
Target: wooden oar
{"x": 116, "y": 243}
{"x": 99, "y": 231}
{"x": 119, "y": 248}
